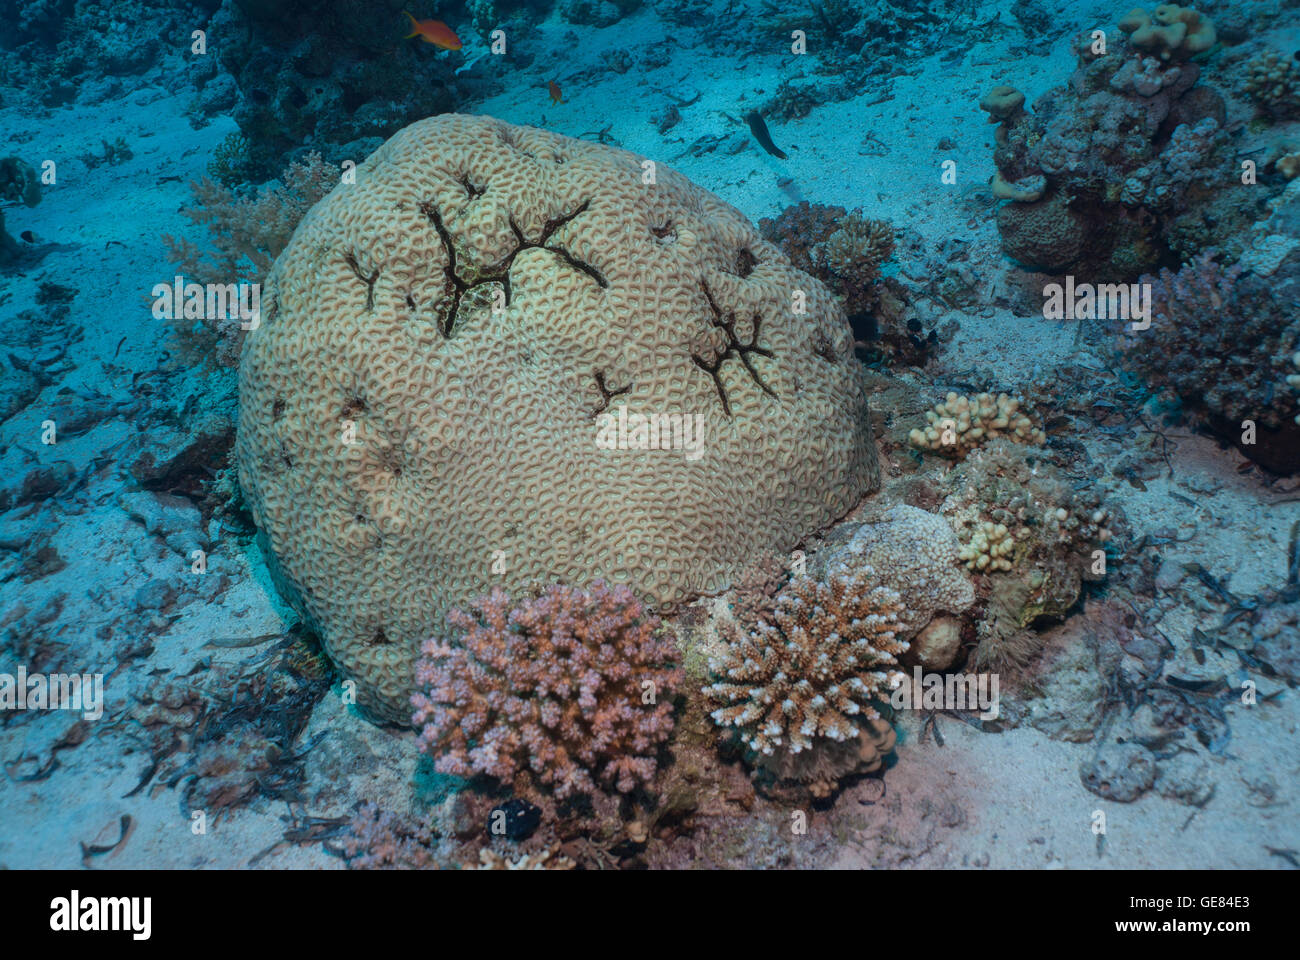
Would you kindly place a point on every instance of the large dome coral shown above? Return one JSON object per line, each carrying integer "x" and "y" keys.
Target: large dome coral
{"x": 448, "y": 386}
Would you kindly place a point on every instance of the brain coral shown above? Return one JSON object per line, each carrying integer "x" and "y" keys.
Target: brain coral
{"x": 456, "y": 359}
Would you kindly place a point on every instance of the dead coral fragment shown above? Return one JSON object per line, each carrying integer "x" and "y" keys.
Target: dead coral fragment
{"x": 542, "y": 860}
{"x": 958, "y": 424}
{"x": 573, "y": 686}
{"x": 808, "y": 674}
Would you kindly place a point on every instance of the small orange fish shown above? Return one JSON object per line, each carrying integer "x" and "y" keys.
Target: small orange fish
{"x": 433, "y": 31}
{"x": 554, "y": 88}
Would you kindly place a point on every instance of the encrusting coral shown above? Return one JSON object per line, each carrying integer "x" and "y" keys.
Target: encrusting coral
{"x": 571, "y": 690}
{"x": 798, "y": 686}
{"x": 916, "y": 554}
{"x": 959, "y": 424}
{"x": 530, "y": 299}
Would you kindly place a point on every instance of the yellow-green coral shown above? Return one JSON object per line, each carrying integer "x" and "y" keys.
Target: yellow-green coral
{"x": 1002, "y": 102}
{"x": 990, "y": 548}
{"x": 1025, "y": 190}
{"x": 1172, "y": 32}
{"x": 959, "y": 424}
{"x": 1273, "y": 81}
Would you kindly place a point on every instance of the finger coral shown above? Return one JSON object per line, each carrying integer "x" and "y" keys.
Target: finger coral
{"x": 571, "y": 690}
{"x": 1172, "y": 32}
{"x": 959, "y": 424}
{"x": 503, "y": 356}
{"x": 1273, "y": 81}
{"x": 989, "y": 546}
{"x": 804, "y": 679}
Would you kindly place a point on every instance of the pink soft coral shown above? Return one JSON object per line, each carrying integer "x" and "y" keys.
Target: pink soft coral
{"x": 573, "y": 686}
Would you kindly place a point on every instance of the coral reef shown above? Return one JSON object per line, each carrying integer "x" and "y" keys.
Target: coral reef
{"x": 846, "y": 251}
{"x": 1127, "y": 165}
{"x": 1273, "y": 81}
{"x": 473, "y": 291}
{"x": 1028, "y": 532}
{"x": 1171, "y": 32}
{"x": 959, "y": 424}
{"x": 1221, "y": 343}
{"x": 334, "y": 80}
{"x": 571, "y": 690}
{"x": 799, "y": 686}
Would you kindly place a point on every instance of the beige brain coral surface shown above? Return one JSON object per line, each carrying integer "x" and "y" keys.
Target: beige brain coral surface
{"x": 506, "y": 357}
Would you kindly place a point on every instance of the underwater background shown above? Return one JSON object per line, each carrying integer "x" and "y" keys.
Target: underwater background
{"x": 653, "y": 433}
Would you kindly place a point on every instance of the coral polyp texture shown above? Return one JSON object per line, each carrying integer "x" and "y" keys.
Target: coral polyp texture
{"x": 571, "y": 690}
{"x": 957, "y": 424}
{"x": 803, "y": 678}
{"x": 504, "y": 348}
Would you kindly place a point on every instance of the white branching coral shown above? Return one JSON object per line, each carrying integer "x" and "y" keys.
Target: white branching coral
{"x": 809, "y": 670}
{"x": 959, "y": 424}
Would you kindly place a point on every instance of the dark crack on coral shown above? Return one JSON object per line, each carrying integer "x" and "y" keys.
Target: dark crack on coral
{"x": 667, "y": 232}
{"x": 277, "y": 408}
{"x": 351, "y": 259}
{"x": 471, "y": 188}
{"x": 353, "y": 406}
{"x": 456, "y": 287}
{"x": 606, "y": 394}
{"x": 735, "y": 348}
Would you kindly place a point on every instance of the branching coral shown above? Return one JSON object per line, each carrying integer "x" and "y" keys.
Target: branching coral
{"x": 573, "y": 687}
{"x": 1273, "y": 81}
{"x": 807, "y": 676}
{"x": 959, "y": 424}
{"x": 854, "y": 254}
{"x": 248, "y": 232}
{"x": 1221, "y": 342}
{"x": 378, "y": 839}
{"x": 989, "y": 547}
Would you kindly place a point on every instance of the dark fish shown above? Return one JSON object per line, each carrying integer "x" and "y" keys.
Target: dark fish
{"x": 27, "y": 235}
{"x": 759, "y": 129}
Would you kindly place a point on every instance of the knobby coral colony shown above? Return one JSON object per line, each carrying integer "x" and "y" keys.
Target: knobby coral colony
{"x": 1123, "y": 169}
{"x": 572, "y": 689}
{"x": 801, "y": 680}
